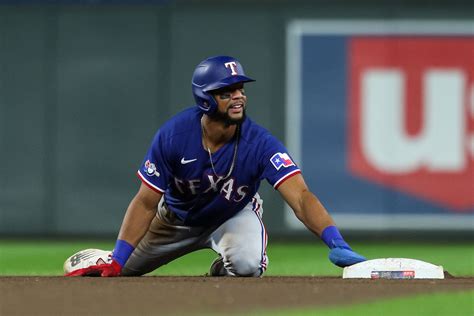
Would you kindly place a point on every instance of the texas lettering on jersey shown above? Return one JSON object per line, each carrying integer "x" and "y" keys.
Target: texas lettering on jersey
{"x": 215, "y": 184}
{"x": 194, "y": 183}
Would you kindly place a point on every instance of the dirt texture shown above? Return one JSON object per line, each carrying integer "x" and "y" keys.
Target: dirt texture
{"x": 199, "y": 295}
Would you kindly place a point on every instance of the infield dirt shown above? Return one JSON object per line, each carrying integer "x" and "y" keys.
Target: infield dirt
{"x": 199, "y": 295}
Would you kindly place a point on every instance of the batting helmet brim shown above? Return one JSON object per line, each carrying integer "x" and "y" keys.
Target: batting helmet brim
{"x": 227, "y": 82}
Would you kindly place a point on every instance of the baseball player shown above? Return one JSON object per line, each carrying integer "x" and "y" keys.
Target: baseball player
{"x": 200, "y": 180}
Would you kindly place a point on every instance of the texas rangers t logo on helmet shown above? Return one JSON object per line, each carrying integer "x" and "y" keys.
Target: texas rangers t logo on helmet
{"x": 281, "y": 160}
{"x": 233, "y": 66}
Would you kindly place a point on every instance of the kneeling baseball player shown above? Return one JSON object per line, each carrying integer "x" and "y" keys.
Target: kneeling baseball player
{"x": 200, "y": 179}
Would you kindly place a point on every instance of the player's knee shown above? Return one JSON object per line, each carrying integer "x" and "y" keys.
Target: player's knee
{"x": 129, "y": 272}
{"x": 246, "y": 267}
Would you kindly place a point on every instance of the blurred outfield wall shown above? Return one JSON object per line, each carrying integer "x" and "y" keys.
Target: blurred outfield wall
{"x": 84, "y": 87}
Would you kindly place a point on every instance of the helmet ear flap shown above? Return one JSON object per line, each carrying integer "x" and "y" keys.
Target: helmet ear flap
{"x": 212, "y": 103}
{"x": 206, "y": 102}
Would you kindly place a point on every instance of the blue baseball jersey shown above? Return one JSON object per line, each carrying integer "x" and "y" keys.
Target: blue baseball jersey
{"x": 178, "y": 166}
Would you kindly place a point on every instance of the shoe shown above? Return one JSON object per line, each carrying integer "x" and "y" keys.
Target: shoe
{"x": 86, "y": 258}
{"x": 217, "y": 267}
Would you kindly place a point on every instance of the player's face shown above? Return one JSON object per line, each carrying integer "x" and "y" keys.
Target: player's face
{"x": 231, "y": 102}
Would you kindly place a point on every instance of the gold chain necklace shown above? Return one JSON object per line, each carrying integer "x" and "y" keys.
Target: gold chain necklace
{"x": 234, "y": 158}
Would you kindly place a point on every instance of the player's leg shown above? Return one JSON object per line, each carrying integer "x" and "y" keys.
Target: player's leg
{"x": 241, "y": 242}
{"x": 166, "y": 240}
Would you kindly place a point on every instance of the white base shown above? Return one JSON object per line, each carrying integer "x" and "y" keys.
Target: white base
{"x": 393, "y": 268}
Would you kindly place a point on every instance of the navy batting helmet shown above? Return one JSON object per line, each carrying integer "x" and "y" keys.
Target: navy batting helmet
{"x": 214, "y": 73}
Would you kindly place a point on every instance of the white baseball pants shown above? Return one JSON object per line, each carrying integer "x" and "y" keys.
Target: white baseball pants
{"x": 241, "y": 241}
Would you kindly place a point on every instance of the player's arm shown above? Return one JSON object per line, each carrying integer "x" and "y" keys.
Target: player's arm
{"x": 309, "y": 210}
{"x": 136, "y": 222}
{"x": 139, "y": 214}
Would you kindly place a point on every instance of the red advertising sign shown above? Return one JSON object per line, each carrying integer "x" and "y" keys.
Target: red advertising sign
{"x": 411, "y": 115}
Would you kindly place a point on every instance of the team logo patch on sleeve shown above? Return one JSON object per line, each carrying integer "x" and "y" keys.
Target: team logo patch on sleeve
{"x": 150, "y": 169}
{"x": 281, "y": 160}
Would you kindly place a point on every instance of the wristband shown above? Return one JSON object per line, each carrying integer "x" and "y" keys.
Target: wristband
{"x": 122, "y": 251}
{"x": 333, "y": 238}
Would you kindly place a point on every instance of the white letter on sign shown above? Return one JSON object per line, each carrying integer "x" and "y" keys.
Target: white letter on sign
{"x": 444, "y": 120}
{"x": 440, "y": 144}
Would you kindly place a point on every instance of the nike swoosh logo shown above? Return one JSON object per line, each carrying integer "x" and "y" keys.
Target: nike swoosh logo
{"x": 184, "y": 161}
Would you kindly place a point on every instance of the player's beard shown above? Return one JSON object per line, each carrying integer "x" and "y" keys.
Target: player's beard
{"x": 225, "y": 118}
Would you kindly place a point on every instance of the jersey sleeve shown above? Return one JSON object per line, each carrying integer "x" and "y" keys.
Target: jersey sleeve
{"x": 155, "y": 170}
{"x": 277, "y": 164}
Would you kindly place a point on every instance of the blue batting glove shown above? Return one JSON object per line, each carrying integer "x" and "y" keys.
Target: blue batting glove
{"x": 341, "y": 254}
{"x": 343, "y": 257}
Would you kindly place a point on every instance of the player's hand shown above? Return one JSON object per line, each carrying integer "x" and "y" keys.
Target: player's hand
{"x": 343, "y": 257}
{"x": 111, "y": 269}
{"x": 342, "y": 254}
